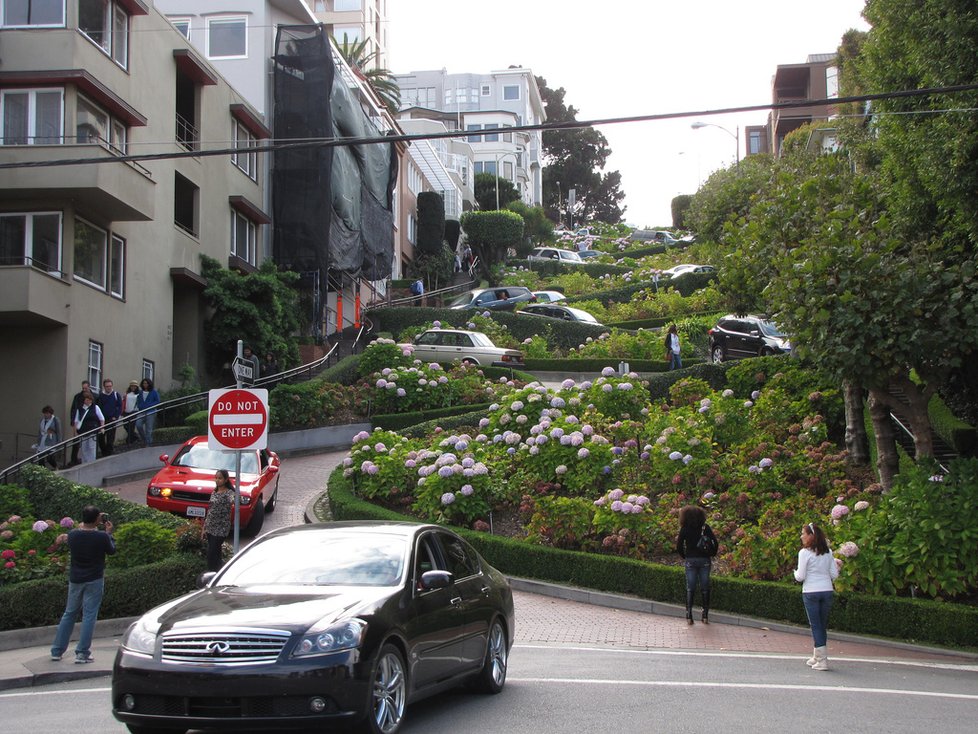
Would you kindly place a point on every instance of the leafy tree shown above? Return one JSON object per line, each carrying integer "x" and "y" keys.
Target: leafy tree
{"x": 261, "y": 308}
{"x": 434, "y": 268}
{"x": 537, "y": 229}
{"x": 380, "y": 80}
{"x": 726, "y": 196}
{"x": 680, "y": 206}
{"x": 490, "y": 235}
{"x": 575, "y": 157}
{"x": 485, "y": 191}
{"x": 431, "y": 222}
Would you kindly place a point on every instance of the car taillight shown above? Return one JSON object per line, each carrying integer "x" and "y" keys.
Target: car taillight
{"x": 533, "y": 299}
{"x": 709, "y": 332}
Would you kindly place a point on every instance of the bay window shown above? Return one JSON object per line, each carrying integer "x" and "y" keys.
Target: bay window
{"x": 95, "y": 125}
{"x": 247, "y": 161}
{"x": 100, "y": 258}
{"x": 244, "y": 238}
{"x": 32, "y": 116}
{"x": 33, "y": 13}
{"x": 106, "y": 23}
{"x": 31, "y": 239}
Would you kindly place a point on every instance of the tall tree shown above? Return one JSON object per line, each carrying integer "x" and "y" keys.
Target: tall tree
{"x": 490, "y": 235}
{"x": 576, "y": 158}
{"x": 380, "y": 80}
{"x": 487, "y": 186}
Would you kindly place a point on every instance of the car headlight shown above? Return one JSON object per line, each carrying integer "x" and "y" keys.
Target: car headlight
{"x": 345, "y": 635}
{"x": 160, "y": 491}
{"x": 141, "y": 638}
{"x": 245, "y": 500}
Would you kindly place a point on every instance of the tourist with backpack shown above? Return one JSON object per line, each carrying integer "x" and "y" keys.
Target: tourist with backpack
{"x": 696, "y": 545}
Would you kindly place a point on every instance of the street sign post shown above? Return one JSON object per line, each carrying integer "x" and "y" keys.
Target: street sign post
{"x": 237, "y": 420}
{"x": 243, "y": 370}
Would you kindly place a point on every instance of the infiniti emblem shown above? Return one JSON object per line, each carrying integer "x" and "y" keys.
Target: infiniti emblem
{"x": 218, "y": 647}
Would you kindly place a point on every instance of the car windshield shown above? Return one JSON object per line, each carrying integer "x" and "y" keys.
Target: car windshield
{"x": 769, "y": 329}
{"x": 463, "y": 300}
{"x": 582, "y": 315}
{"x": 481, "y": 340}
{"x": 568, "y": 255}
{"x": 199, "y": 456}
{"x": 316, "y": 558}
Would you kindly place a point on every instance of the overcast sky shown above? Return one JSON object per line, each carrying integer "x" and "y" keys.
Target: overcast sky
{"x": 622, "y": 58}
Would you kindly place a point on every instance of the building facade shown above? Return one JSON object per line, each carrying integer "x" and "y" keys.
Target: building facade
{"x": 357, "y": 20}
{"x": 100, "y": 258}
{"x": 486, "y": 105}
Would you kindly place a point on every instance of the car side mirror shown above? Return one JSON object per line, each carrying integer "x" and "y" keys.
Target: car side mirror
{"x": 436, "y": 579}
{"x": 755, "y": 332}
{"x": 164, "y": 458}
{"x": 272, "y": 469}
{"x": 205, "y": 578}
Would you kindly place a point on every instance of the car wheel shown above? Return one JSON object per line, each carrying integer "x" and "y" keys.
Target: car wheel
{"x": 388, "y": 693}
{"x": 270, "y": 505}
{"x": 492, "y": 677}
{"x": 257, "y": 520}
{"x": 470, "y": 362}
{"x": 717, "y": 354}
{"x": 765, "y": 352}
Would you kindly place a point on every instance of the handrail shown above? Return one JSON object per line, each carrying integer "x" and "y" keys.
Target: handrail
{"x": 906, "y": 430}
{"x": 408, "y": 300}
{"x": 269, "y": 380}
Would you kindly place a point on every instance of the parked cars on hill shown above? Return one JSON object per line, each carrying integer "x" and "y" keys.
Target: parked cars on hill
{"x": 736, "y": 337}
{"x": 550, "y": 254}
{"x": 315, "y": 626}
{"x": 501, "y": 298}
{"x": 664, "y": 238}
{"x": 468, "y": 347}
{"x": 548, "y": 296}
{"x": 559, "y": 311}
{"x": 686, "y": 268}
{"x": 589, "y": 254}
{"x": 184, "y": 485}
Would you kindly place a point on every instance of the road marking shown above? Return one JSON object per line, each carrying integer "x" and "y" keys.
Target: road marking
{"x": 807, "y": 687}
{"x": 60, "y": 692}
{"x": 965, "y": 667}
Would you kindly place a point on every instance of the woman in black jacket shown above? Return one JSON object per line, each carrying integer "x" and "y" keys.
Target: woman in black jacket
{"x": 696, "y": 544}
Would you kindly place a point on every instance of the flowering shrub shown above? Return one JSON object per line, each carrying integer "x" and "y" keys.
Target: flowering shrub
{"x": 561, "y": 522}
{"x": 622, "y": 396}
{"x": 383, "y": 464}
{"x": 382, "y": 353}
{"x": 31, "y": 549}
{"x": 424, "y": 386}
{"x": 454, "y": 483}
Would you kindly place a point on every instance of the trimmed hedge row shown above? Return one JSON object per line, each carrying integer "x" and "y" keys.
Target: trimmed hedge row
{"x": 894, "y": 617}
{"x": 956, "y": 433}
{"x": 129, "y": 592}
{"x": 399, "y": 421}
{"x": 595, "y": 364}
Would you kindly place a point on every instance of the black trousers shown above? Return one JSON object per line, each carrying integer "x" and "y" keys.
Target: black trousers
{"x": 106, "y": 439}
{"x": 214, "y": 544}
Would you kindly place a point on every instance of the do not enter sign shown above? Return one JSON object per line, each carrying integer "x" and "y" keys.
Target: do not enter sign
{"x": 237, "y": 419}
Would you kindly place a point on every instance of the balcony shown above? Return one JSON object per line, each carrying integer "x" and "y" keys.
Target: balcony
{"x": 121, "y": 192}
{"x": 32, "y": 297}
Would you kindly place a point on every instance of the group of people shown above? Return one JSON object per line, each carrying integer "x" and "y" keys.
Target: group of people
{"x": 260, "y": 368}
{"x": 817, "y": 568}
{"x": 102, "y": 411}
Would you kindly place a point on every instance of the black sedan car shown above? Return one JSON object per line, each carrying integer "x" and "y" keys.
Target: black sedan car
{"x": 736, "y": 337}
{"x": 312, "y": 625}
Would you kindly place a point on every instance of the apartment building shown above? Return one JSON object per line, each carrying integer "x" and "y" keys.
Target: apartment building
{"x": 816, "y": 79}
{"x": 357, "y": 20}
{"x": 100, "y": 257}
{"x": 486, "y": 105}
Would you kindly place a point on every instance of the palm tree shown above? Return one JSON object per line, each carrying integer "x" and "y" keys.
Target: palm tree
{"x": 380, "y": 80}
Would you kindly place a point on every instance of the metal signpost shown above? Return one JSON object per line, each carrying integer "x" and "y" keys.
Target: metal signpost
{"x": 237, "y": 420}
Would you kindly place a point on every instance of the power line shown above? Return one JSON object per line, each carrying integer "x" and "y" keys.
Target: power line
{"x": 307, "y": 144}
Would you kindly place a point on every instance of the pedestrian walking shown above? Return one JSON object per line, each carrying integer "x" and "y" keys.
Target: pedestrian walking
{"x": 673, "y": 349}
{"x": 88, "y": 418}
{"x": 817, "y": 568}
{"x": 76, "y": 403}
{"x": 217, "y": 522}
{"x": 251, "y": 357}
{"x": 48, "y": 435}
{"x": 148, "y": 397}
{"x": 110, "y": 403}
{"x": 696, "y": 545}
{"x": 128, "y": 408}
{"x": 86, "y": 582}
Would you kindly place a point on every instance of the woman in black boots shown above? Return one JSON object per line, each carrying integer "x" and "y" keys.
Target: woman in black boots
{"x": 696, "y": 545}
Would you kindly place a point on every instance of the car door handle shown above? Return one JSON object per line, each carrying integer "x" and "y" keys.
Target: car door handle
{"x": 485, "y": 591}
{"x": 455, "y": 601}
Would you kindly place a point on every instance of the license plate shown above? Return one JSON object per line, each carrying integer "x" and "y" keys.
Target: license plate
{"x": 196, "y": 511}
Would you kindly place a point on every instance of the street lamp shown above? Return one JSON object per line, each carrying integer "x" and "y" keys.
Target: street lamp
{"x": 736, "y": 136}
{"x": 516, "y": 162}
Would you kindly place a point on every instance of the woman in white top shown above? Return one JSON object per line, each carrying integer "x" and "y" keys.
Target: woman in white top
{"x": 816, "y": 569}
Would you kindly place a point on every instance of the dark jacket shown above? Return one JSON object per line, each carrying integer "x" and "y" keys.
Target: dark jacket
{"x": 88, "y": 551}
{"x": 688, "y": 538}
{"x": 111, "y": 405}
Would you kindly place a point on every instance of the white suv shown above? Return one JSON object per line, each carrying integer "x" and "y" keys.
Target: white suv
{"x": 549, "y": 254}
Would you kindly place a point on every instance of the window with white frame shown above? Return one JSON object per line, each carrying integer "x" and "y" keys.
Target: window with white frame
{"x": 491, "y": 137}
{"x": 415, "y": 184}
{"x": 474, "y": 138}
{"x": 117, "y": 266}
{"x": 94, "y": 362}
{"x": 831, "y": 82}
{"x": 91, "y": 250}
{"x": 350, "y": 33}
{"x": 507, "y": 137}
{"x": 32, "y": 116}
{"x": 412, "y": 232}
{"x": 341, "y": 5}
{"x": 106, "y": 23}
{"x": 486, "y": 90}
{"x": 33, "y": 13}
{"x": 95, "y": 125}
{"x": 246, "y": 160}
{"x": 485, "y": 167}
{"x": 511, "y": 91}
{"x": 244, "y": 237}
{"x": 227, "y": 37}
{"x": 149, "y": 370}
{"x": 31, "y": 239}
{"x": 508, "y": 170}
{"x": 182, "y": 25}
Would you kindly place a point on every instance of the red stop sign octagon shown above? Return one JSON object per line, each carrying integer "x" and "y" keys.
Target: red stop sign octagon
{"x": 237, "y": 419}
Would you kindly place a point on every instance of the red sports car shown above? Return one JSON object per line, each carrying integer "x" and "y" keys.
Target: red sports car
{"x": 184, "y": 485}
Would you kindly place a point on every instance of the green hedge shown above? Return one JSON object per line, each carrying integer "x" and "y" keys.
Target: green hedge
{"x": 398, "y": 421}
{"x": 551, "y": 268}
{"x": 128, "y": 592}
{"x": 657, "y": 322}
{"x": 956, "y": 433}
{"x": 595, "y": 364}
{"x": 174, "y": 434}
{"x": 895, "y": 617}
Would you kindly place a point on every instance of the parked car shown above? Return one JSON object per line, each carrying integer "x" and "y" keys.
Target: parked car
{"x": 664, "y": 238}
{"x": 736, "y": 337}
{"x": 501, "y": 298}
{"x": 468, "y": 347}
{"x": 558, "y": 311}
{"x": 588, "y": 254}
{"x": 184, "y": 485}
{"x": 549, "y": 254}
{"x": 319, "y": 625}
{"x": 686, "y": 268}
{"x": 549, "y": 296}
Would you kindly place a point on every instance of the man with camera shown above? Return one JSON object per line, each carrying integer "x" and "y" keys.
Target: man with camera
{"x": 89, "y": 545}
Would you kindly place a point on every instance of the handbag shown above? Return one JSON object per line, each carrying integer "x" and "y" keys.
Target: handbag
{"x": 707, "y": 543}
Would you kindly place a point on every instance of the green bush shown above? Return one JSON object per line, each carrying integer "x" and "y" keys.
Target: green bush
{"x": 173, "y": 434}
{"x": 399, "y": 421}
{"x": 956, "y": 433}
{"x": 141, "y": 542}
{"x": 14, "y": 500}
{"x": 198, "y": 422}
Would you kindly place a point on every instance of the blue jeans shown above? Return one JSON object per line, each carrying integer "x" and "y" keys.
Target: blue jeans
{"x": 85, "y": 597}
{"x": 144, "y": 427}
{"x": 698, "y": 573}
{"x": 675, "y": 362}
{"x": 817, "y": 605}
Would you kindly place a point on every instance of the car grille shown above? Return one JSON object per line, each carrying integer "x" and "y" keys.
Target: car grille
{"x": 231, "y": 707}
{"x": 178, "y": 494}
{"x": 224, "y": 648}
